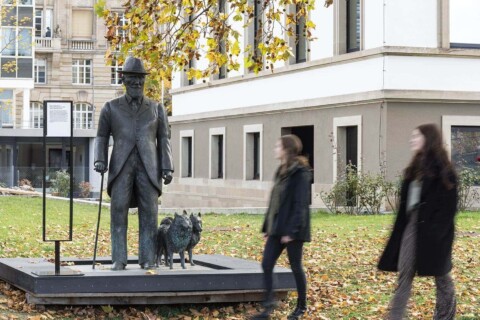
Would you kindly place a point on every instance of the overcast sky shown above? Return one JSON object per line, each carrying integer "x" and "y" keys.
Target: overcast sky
{"x": 465, "y": 21}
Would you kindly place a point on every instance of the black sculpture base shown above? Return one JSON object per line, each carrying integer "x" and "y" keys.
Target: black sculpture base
{"x": 214, "y": 278}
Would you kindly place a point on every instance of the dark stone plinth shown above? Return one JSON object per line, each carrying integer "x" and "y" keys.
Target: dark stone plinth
{"x": 214, "y": 278}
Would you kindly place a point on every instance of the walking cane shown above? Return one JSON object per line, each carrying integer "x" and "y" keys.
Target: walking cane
{"x": 98, "y": 223}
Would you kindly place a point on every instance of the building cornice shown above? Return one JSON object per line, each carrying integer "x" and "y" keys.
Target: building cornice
{"x": 363, "y": 98}
{"x": 340, "y": 59}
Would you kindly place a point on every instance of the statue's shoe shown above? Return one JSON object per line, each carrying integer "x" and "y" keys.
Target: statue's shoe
{"x": 148, "y": 266}
{"x": 118, "y": 266}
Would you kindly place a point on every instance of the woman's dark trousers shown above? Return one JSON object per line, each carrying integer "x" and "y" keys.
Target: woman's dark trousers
{"x": 273, "y": 249}
{"x": 446, "y": 304}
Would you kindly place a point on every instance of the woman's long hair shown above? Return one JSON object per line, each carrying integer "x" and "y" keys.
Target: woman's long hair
{"x": 292, "y": 146}
{"x": 432, "y": 160}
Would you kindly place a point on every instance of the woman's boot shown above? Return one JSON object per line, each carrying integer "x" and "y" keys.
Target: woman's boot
{"x": 298, "y": 312}
{"x": 265, "y": 314}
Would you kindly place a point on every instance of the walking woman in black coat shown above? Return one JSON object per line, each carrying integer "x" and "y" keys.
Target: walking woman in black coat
{"x": 287, "y": 221}
{"x": 422, "y": 237}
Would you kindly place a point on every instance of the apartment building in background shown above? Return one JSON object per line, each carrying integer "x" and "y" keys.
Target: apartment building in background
{"x": 378, "y": 69}
{"x": 59, "y": 46}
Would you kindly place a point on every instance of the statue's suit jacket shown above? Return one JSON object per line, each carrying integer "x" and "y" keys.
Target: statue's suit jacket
{"x": 147, "y": 129}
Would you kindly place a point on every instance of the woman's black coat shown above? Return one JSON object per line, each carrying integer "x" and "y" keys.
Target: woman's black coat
{"x": 435, "y": 229}
{"x": 293, "y": 218}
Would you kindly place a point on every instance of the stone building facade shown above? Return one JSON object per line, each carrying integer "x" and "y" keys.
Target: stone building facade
{"x": 378, "y": 69}
{"x": 67, "y": 50}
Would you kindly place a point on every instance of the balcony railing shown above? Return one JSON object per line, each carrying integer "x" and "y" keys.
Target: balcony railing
{"x": 47, "y": 44}
{"x": 81, "y": 45}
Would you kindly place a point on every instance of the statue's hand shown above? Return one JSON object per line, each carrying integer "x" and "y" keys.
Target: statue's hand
{"x": 100, "y": 167}
{"x": 167, "y": 176}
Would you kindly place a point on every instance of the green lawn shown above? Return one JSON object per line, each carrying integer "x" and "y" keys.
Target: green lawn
{"x": 340, "y": 264}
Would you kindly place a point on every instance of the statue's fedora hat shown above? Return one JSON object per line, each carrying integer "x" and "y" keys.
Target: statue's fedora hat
{"x": 133, "y": 66}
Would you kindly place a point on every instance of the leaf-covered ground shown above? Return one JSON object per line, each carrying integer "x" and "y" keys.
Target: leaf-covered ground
{"x": 340, "y": 263}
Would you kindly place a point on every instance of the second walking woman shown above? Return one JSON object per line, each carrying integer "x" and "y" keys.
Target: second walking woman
{"x": 422, "y": 237}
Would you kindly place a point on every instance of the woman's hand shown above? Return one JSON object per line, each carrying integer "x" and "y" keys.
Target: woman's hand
{"x": 286, "y": 239}
{"x": 265, "y": 236}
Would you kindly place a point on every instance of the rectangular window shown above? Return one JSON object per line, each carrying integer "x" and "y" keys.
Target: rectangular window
{"x": 6, "y": 108}
{"x": 217, "y": 157}
{"x": 347, "y": 137}
{"x": 8, "y": 42}
{"x": 191, "y": 62}
{"x": 253, "y": 152}
{"x": 83, "y": 116}
{"x": 465, "y": 144}
{"x": 25, "y": 68}
{"x": 186, "y": 156}
{"x": 25, "y": 42}
{"x": 300, "y": 39}
{"x": 217, "y": 153}
{"x": 40, "y": 72}
{"x": 222, "y": 73}
{"x": 9, "y": 16}
{"x": 115, "y": 77}
{"x": 257, "y": 26}
{"x": 82, "y": 24}
{"x": 25, "y": 16}
{"x": 256, "y": 155}
{"x": 464, "y": 24}
{"x": 36, "y": 115}
{"x": 353, "y": 25}
{"x": 8, "y": 67}
{"x": 81, "y": 71}
{"x": 38, "y": 23}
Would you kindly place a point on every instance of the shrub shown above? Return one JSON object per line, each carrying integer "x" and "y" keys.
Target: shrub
{"x": 61, "y": 183}
{"x": 355, "y": 193}
{"x": 25, "y": 182}
{"x": 85, "y": 187}
{"x": 467, "y": 192}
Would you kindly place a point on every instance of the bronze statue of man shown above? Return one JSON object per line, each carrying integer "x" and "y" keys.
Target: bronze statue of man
{"x": 140, "y": 158}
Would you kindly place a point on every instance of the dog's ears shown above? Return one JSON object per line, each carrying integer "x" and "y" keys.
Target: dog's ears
{"x": 199, "y": 214}
{"x": 176, "y": 214}
{"x": 185, "y": 212}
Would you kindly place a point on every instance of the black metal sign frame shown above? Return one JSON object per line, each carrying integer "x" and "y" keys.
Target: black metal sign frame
{"x": 57, "y": 132}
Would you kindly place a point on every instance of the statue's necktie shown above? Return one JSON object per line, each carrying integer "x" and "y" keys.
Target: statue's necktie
{"x": 135, "y": 105}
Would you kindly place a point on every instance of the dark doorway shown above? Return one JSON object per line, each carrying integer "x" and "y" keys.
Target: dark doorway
{"x": 305, "y": 133}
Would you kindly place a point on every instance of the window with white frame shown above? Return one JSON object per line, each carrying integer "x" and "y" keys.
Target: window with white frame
{"x": 187, "y": 153}
{"x": 8, "y": 41}
{"x": 83, "y": 116}
{"x": 38, "y": 23}
{"x": 347, "y": 139}
{"x": 300, "y": 37}
{"x": 222, "y": 72}
{"x": 461, "y": 136}
{"x": 115, "y": 77}
{"x": 465, "y": 143}
{"x": 353, "y": 25}
{"x": 252, "y": 150}
{"x": 120, "y": 30}
{"x": 36, "y": 115}
{"x": 122, "y": 22}
{"x": 40, "y": 71}
{"x": 81, "y": 71}
{"x": 217, "y": 153}
{"x": 6, "y": 108}
{"x": 43, "y": 23}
